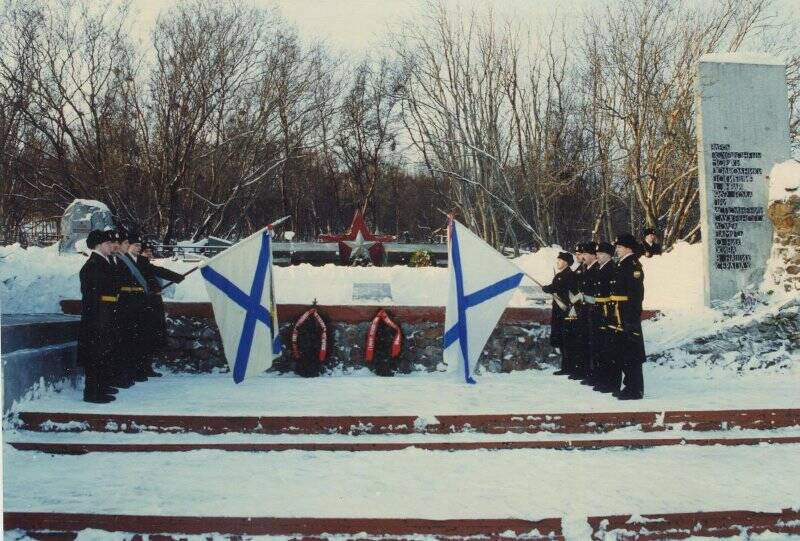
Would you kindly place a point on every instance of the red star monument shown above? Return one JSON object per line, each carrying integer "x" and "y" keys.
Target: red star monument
{"x": 358, "y": 241}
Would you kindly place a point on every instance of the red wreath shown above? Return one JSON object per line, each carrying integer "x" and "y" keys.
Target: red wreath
{"x": 382, "y": 316}
{"x": 323, "y": 346}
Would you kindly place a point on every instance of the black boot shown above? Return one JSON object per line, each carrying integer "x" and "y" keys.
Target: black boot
{"x": 121, "y": 382}
{"x": 145, "y": 368}
{"x": 96, "y": 397}
{"x": 604, "y": 389}
{"x": 625, "y": 394}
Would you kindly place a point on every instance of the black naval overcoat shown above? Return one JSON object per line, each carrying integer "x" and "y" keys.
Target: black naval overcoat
{"x": 563, "y": 282}
{"x": 97, "y": 330}
{"x": 155, "y": 318}
{"x": 627, "y": 295}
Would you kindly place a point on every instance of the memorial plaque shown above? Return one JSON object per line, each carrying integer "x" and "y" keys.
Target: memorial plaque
{"x": 372, "y": 292}
{"x": 742, "y": 131}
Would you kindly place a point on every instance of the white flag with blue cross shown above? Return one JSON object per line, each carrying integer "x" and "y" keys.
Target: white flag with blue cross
{"x": 482, "y": 281}
{"x": 241, "y": 288}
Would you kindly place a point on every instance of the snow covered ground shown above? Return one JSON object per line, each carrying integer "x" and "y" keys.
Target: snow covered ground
{"x": 529, "y": 484}
{"x": 425, "y": 395}
{"x": 524, "y": 484}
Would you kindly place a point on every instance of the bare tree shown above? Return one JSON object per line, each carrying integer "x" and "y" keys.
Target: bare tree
{"x": 69, "y": 62}
{"x": 367, "y": 134}
{"x": 647, "y": 53}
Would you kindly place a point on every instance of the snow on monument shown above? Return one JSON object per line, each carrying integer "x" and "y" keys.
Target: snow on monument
{"x": 784, "y": 213}
{"x": 742, "y": 131}
{"x": 81, "y": 217}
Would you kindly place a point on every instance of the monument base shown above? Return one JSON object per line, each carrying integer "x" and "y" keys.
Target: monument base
{"x": 38, "y": 350}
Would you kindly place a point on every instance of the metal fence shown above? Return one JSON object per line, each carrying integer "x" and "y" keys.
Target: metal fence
{"x": 41, "y": 233}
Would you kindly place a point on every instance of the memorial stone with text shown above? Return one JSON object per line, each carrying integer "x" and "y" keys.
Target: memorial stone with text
{"x": 743, "y": 130}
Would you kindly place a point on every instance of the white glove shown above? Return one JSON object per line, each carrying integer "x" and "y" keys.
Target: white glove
{"x": 588, "y": 299}
{"x": 574, "y": 298}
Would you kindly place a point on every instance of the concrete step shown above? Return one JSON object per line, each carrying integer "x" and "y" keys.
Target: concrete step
{"x": 567, "y": 423}
{"x": 172, "y": 527}
{"x": 716, "y": 524}
{"x": 565, "y": 445}
{"x": 739, "y": 524}
{"x": 32, "y": 331}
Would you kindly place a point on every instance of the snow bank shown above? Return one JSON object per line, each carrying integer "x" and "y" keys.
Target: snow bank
{"x": 34, "y": 280}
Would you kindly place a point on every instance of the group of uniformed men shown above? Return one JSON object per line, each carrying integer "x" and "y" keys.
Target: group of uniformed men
{"x": 596, "y": 320}
{"x": 122, "y": 314}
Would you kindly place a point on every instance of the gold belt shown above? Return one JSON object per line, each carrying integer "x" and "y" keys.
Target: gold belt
{"x": 618, "y": 298}
{"x": 620, "y": 329}
{"x": 602, "y": 299}
{"x": 109, "y": 298}
{"x": 132, "y": 289}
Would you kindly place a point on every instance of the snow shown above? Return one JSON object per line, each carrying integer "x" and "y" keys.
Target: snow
{"x": 526, "y": 484}
{"x": 784, "y": 180}
{"x": 429, "y": 395}
{"x": 70, "y": 434}
{"x": 34, "y": 280}
{"x": 90, "y": 203}
{"x": 743, "y": 58}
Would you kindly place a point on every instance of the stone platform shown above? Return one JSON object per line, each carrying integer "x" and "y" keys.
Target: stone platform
{"x": 523, "y": 455}
{"x": 521, "y": 340}
{"x": 37, "y": 350}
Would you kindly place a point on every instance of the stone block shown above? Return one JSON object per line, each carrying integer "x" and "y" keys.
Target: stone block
{"x": 737, "y": 148}
{"x": 201, "y": 354}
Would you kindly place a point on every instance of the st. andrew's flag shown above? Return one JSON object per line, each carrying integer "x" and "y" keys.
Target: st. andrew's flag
{"x": 481, "y": 283}
{"x": 240, "y": 284}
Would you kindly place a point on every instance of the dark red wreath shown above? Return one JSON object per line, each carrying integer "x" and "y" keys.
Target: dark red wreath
{"x": 310, "y": 343}
{"x": 384, "y": 344}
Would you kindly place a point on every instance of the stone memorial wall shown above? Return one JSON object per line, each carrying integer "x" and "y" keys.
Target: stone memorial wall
{"x": 743, "y": 130}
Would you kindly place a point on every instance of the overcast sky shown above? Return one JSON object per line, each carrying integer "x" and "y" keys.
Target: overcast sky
{"x": 357, "y": 27}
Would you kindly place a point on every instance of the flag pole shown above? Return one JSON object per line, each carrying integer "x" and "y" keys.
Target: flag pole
{"x": 270, "y": 226}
